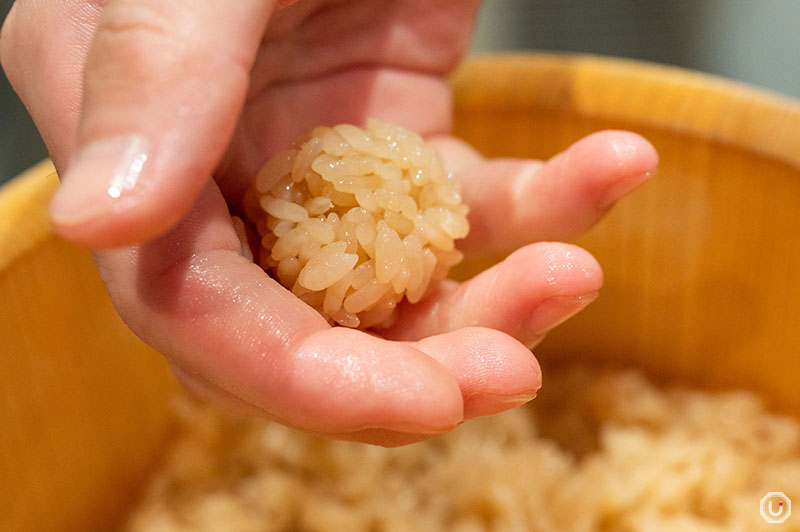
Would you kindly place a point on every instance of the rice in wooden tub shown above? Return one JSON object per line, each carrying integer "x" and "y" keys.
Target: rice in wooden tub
{"x": 354, "y": 220}
{"x": 599, "y": 451}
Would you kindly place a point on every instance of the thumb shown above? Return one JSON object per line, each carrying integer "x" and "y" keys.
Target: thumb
{"x": 164, "y": 83}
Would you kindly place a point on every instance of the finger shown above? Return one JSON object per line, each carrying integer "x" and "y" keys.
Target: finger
{"x": 458, "y": 156}
{"x": 221, "y": 319}
{"x": 204, "y": 389}
{"x": 514, "y": 202}
{"x": 164, "y": 83}
{"x": 493, "y": 370}
{"x": 533, "y": 290}
{"x": 494, "y": 373}
{"x": 42, "y": 48}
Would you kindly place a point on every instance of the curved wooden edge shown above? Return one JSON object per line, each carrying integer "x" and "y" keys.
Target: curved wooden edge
{"x": 655, "y": 96}
{"x": 87, "y": 416}
{"x": 23, "y": 203}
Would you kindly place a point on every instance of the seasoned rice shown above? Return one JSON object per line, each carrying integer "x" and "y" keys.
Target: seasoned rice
{"x": 352, "y": 221}
{"x": 599, "y": 451}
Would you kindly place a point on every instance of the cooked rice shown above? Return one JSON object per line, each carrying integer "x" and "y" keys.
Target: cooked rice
{"x": 352, "y": 221}
{"x": 598, "y": 451}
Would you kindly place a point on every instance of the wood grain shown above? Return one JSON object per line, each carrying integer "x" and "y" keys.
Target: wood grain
{"x": 82, "y": 401}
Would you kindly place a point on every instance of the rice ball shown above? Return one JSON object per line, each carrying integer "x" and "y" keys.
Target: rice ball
{"x": 352, "y": 220}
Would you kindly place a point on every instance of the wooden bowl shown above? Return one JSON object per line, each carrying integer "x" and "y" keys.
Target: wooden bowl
{"x": 700, "y": 268}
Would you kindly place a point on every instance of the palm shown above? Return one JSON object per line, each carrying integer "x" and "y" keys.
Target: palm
{"x": 344, "y": 61}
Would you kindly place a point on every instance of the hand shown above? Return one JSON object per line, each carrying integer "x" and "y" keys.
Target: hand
{"x": 141, "y": 101}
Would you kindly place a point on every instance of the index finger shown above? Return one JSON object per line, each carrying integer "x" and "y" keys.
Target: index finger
{"x": 164, "y": 82}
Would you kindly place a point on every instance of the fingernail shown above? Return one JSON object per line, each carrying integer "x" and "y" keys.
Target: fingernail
{"x": 516, "y": 399}
{"x": 624, "y": 186}
{"x": 556, "y": 310}
{"x": 101, "y": 178}
{"x": 486, "y": 404}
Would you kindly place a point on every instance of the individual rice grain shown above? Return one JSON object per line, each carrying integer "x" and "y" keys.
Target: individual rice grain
{"x": 376, "y": 203}
{"x": 280, "y": 164}
{"x": 329, "y": 265}
{"x": 321, "y": 232}
{"x": 347, "y": 319}
{"x": 334, "y": 295}
{"x": 301, "y": 165}
{"x": 428, "y": 266}
{"x": 317, "y": 206}
{"x": 283, "y": 210}
{"x": 388, "y": 252}
{"x": 288, "y": 270}
{"x": 365, "y": 297}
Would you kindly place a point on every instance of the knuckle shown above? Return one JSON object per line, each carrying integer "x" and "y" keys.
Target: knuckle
{"x": 138, "y": 40}
{"x": 144, "y": 18}
{"x": 156, "y": 44}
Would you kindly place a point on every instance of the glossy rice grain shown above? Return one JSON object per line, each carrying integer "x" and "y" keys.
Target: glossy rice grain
{"x": 352, "y": 221}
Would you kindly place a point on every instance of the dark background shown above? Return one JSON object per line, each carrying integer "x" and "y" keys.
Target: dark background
{"x": 749, "y": 40}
